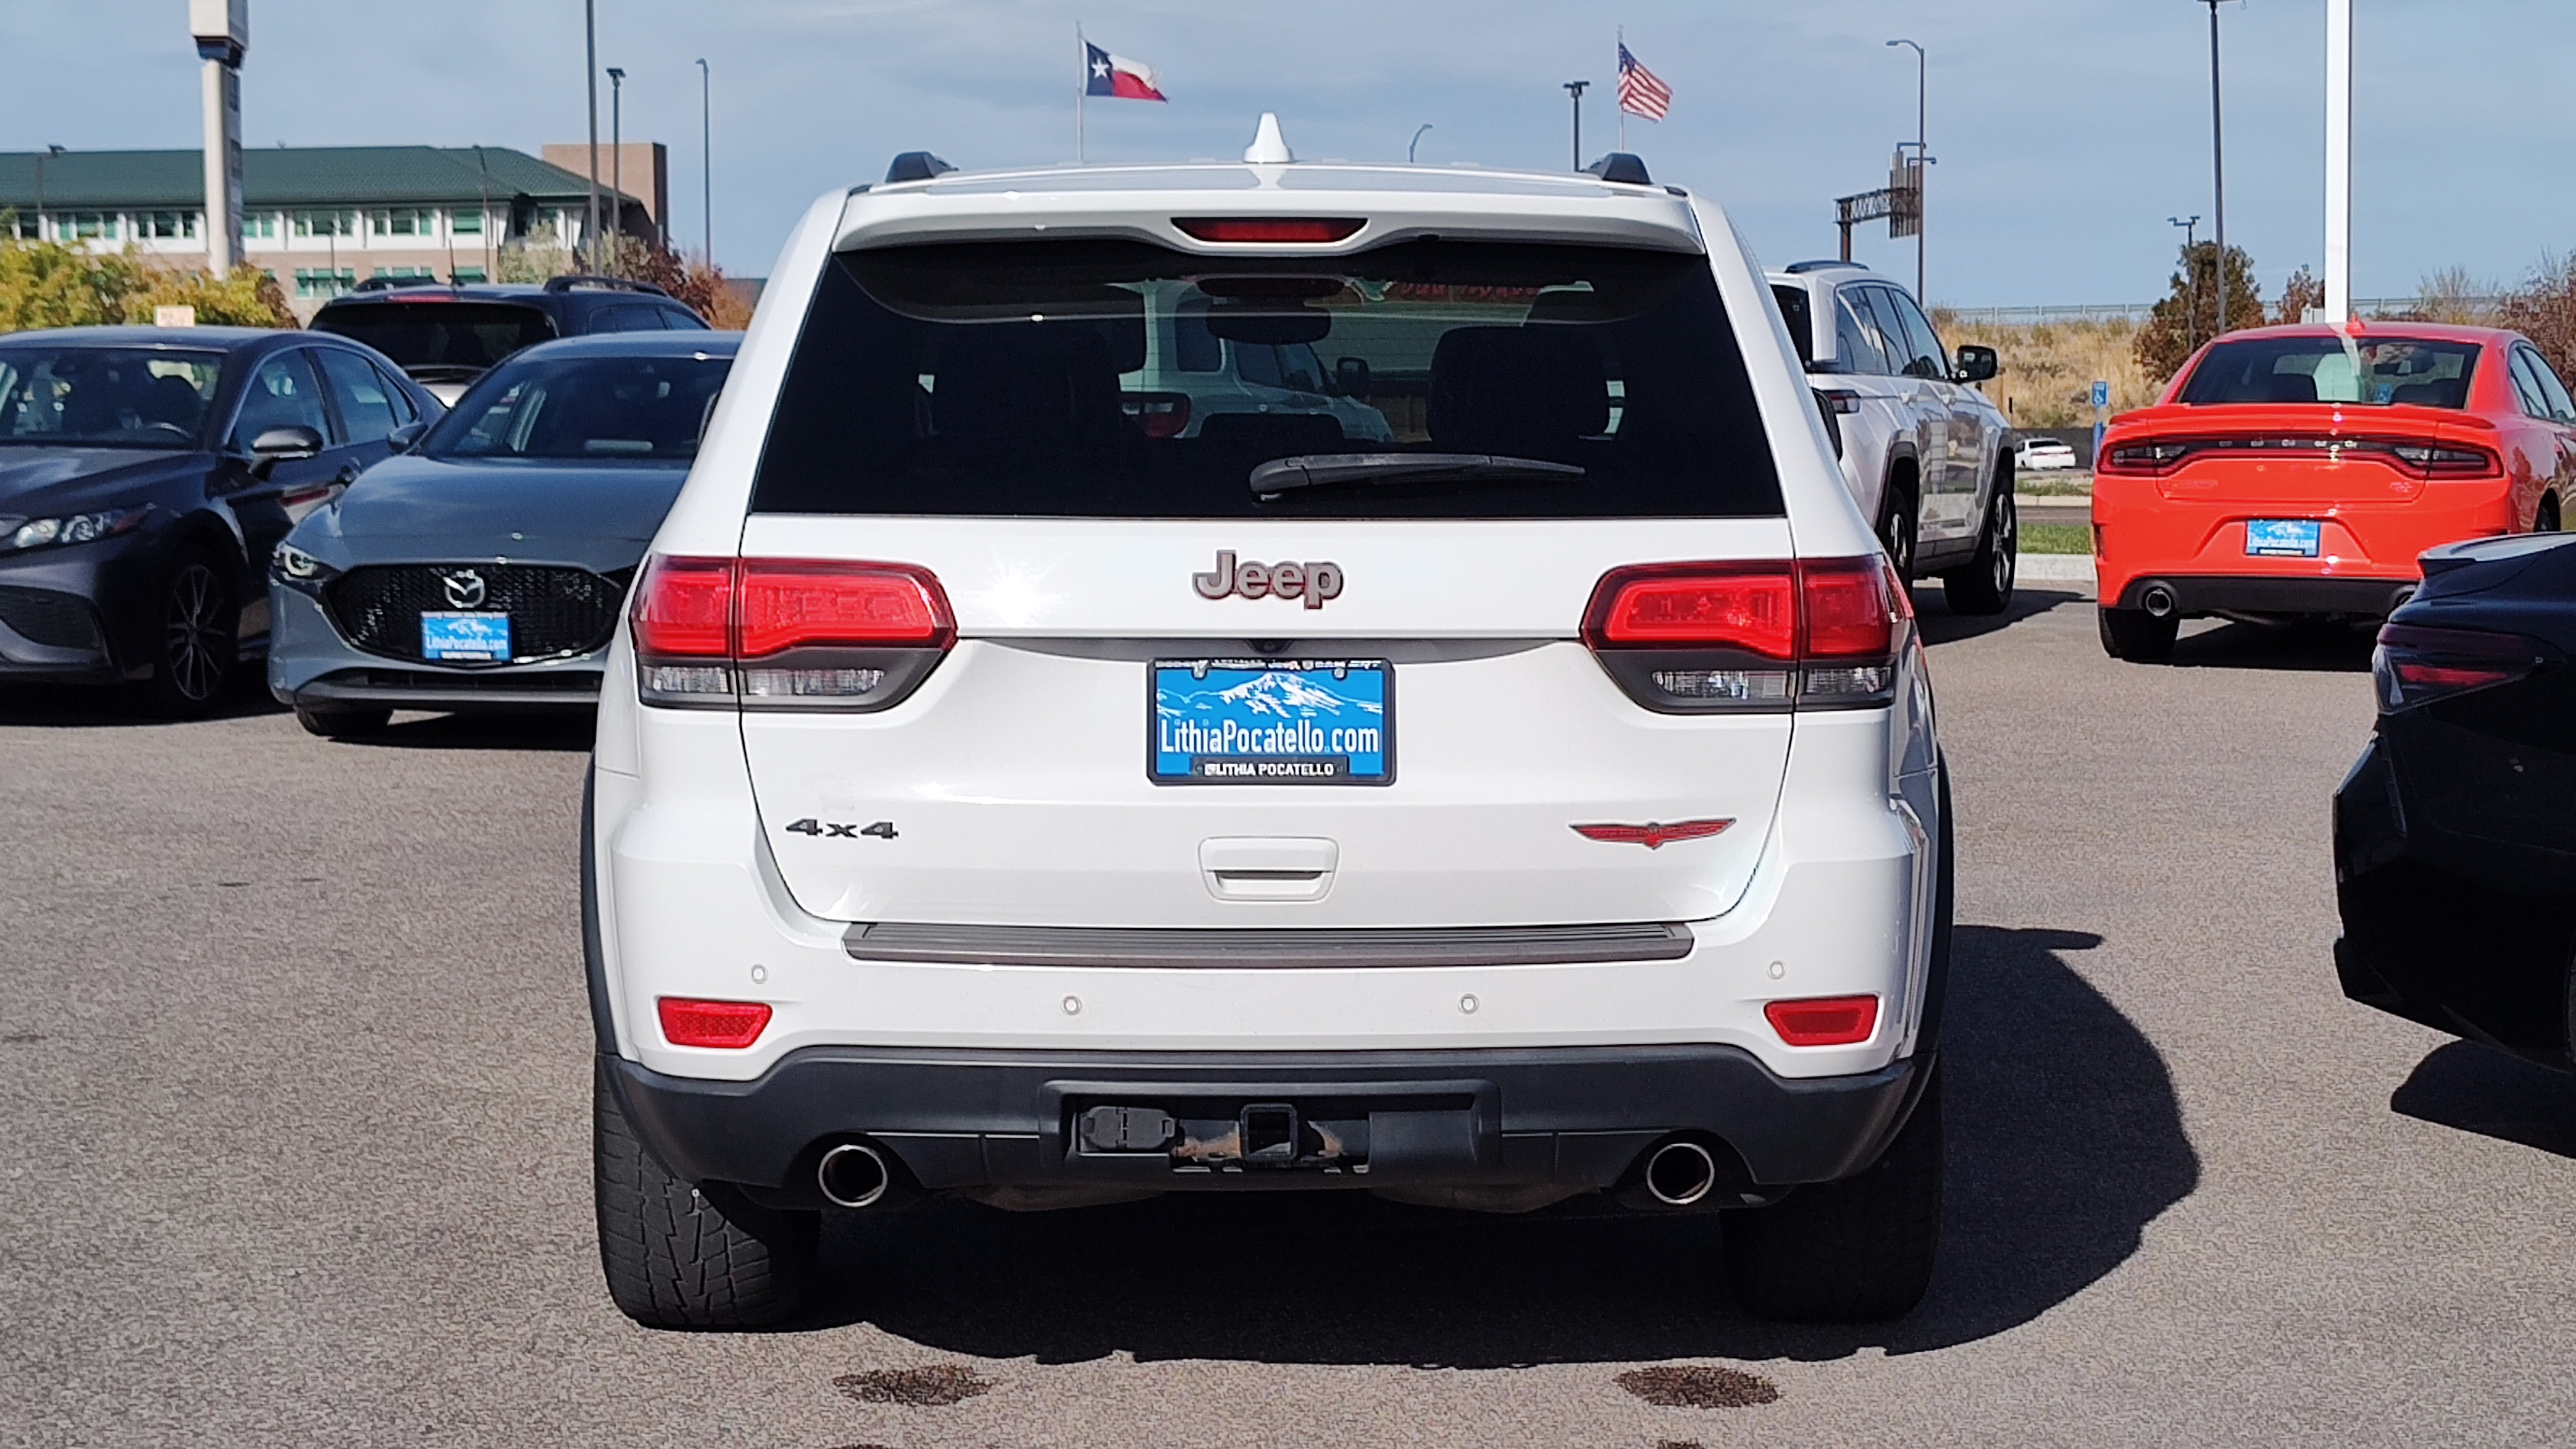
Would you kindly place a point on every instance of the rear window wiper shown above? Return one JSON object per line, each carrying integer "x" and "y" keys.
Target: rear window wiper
{"x": 1325, "y": 470}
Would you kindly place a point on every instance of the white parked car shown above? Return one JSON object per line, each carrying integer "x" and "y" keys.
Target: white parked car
{"x": 999, "y": 794}
{"x": 2042, "y": 455}
{"x": 1924, "y": 451}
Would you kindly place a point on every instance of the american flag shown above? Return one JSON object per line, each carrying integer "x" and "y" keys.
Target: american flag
{"x": 1640, "y": 94}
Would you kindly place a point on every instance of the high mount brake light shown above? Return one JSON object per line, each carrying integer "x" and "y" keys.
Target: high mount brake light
{"x": 2419, "y": 457}
{"x": 2415, "y": 666}
{"x": 1708, "y": 637}
{"x": 728, "y": 1025}
{"x": 786, "y": 633}
{"x": 1308, "y": 229}
{"x": 1824, "y": 1020}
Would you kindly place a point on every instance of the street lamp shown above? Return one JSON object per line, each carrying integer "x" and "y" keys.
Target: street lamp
{"x": 2191, "y": 280}
{"x": 1576, "y": 89}
{"x": 1923, "y": 161}
{"x": 617, "y": 148}
{"x": 590, "y": 78}
{"x": 49, "y": 151}
{"x": 1417, "y": 141}
{"x": 2217, "y": 168}
{"x": 707, "y": 155}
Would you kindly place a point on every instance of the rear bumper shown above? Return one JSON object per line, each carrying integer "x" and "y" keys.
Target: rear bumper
{"x": 2366, "y": 545}
{"x": 2196, "y": 594}
{"x": 1570, "y": 1117}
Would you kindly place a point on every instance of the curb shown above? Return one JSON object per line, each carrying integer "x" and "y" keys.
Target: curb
{"x": 2055, "y": 568}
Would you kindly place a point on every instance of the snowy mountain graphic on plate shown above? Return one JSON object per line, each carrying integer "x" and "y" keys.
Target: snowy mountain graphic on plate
{"x": 1298, "y": 721}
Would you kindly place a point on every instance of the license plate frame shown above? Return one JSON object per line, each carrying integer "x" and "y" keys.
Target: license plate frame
{"x": 2283, "y": 537}
{"x": 464, "y": 636}
{"x": 1266, "y": 757}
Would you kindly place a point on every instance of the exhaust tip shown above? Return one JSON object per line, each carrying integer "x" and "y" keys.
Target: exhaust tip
{"x": 2157, "y": 600}
{"x": 852, "y": 1175}
{"x": 1680, "y": 1173}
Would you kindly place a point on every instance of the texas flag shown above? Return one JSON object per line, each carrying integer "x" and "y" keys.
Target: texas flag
{"x": 1116, "y": 75}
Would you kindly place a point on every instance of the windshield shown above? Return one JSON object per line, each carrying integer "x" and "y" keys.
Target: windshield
{"x": 642, "y": 409}
{"x": 1123, "y": 380}
{"x": 2373, "y": 371}
{"x": 431, "y": 339}
{"x": 105, "y": 397}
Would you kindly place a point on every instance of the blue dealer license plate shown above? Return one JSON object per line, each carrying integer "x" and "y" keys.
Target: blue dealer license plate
{"x": 2281, "y": 537}
{"x": 1272, "y": 722}
{"x": 458, "y": 638}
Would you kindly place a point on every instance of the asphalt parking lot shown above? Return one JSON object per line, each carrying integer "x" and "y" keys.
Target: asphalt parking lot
{"x": 293, "y": 1074}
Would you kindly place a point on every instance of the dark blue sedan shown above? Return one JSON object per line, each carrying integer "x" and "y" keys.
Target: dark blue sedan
{"x": 145, "y": 475}
{"x": 484, "y": 570}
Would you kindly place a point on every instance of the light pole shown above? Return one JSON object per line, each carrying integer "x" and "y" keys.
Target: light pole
{"x": 2338, "y": 309}
{"x": 1576, "y": 89}
{"x": 1922, "y": 160}
{"x": 617, "y": 152}
{"x": 49, "y": 151}
{"x": 2217, "y": 169}
{"x": 1417, "y": 141}
{"x": 590, "y": 78}
{"x": 2191, "y": 280}
{"x": 707, "y": 156}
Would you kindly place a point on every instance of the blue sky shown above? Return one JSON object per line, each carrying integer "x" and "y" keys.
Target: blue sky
{"x": 2067, "y": 131}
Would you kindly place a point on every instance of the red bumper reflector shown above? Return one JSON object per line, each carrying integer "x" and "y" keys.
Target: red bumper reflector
{"x": 727, "y": 1024}
{"x": 1824, "y": 1020}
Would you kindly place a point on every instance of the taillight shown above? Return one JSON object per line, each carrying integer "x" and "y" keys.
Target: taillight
{"x": 1824, "y": 1020}
{"x": 786, "y": 633}
{"x": 1269, "y": 228}
{"x": 730, "y": 1025}
{"x": 1159, "y": 414}
{"x": 2416, "y": 666}
{"x": 2421, "y": 457}
{"x": 1708, "y": 637}
{"x": 2150, "y": 455}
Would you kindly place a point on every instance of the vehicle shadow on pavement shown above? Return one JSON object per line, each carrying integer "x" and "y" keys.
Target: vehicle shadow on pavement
{"x": 2066, "y": 1140}
{"x": 1940, "y": 626}
{"x": 2494, "y": 1094}
{"x": 40, "y": 706}
{"x": 566, "y": 730}
{"x": 2317, "y": 648}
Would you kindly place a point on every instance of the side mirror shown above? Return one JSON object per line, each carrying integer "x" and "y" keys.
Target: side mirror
{"x": 282, "y": 445}
{"x": 1821, "y": 364}
{"x": 1351, "y": 376}
{"x": 1976, "y": 363}
{"x": 406, "y": 437}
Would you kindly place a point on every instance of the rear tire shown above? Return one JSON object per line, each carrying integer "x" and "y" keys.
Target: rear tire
{"x": 1985, "y": 584}
{"x": 1855, "y": 1251}
{"x": 341, "y": 724}
{"x": 2136, "y": 634}
{"x": 197, "y": 635}
{"x": 679, "y": 1255}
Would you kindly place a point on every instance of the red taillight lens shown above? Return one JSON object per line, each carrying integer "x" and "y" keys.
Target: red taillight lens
{"x": 684, "y": 608}
{"x": 1308, "y": 229}
{"x": 1852, "y": 608}
{"x": 730, "y": 1025}
{"x": 1160, "y": 414}
{"x": 1751, "y": 608}
{"x": 1824, "y": 1020}
{"x": 789, "y": 603}
{"x": 2415, "y": 666}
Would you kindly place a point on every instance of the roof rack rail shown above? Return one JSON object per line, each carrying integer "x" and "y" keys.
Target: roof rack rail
{"x": 916, "y": 166}
{"x": 1625, "y": 167}
{"x": 383, "y": 283}
{"x": 605, "y": 284}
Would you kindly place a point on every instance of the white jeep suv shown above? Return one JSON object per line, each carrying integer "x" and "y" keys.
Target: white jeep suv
{"x": 1929, "y": 458}
{"x": 1531, "y": 798}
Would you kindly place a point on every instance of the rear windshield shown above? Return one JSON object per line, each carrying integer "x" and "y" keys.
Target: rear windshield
{"x": 597, "y": 409}
{"x": 1793, "y": 310}
{"x": 431, "y": 340}
{"x": 2372, "y": 371}
{"x": 105, "y": 397}
{"x": 1124, "y": 380}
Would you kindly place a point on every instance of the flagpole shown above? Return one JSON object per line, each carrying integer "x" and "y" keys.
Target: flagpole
{"x": 1622, "y": 69}
{"x": 1081, "y": 90}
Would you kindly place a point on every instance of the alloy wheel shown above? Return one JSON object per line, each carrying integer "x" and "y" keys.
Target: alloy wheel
{"x": 2007, "y": 543}
{"x": 195, "y": 634}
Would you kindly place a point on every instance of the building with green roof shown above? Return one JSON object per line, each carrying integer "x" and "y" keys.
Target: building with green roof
{"x": 318, "y": 218}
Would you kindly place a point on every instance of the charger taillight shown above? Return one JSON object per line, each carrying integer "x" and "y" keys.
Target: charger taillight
{"x": 1706, "y": 637}
{"x": 786, "y": 633}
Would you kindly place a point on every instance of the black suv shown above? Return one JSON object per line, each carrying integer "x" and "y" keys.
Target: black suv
{"x": 446, "y": 335}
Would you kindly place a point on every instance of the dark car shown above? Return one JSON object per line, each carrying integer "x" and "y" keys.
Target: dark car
{"x": 447, "y": 336}
{"x": 485, "y": 569}
{"x": 145, "y": 475}
{"x": 2455, "y": 834}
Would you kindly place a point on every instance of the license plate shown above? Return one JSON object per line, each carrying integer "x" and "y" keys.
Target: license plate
{"x": 2281, "y": 537}
{"x": 450, "y": 637}
{"x": 1271, "y": 722}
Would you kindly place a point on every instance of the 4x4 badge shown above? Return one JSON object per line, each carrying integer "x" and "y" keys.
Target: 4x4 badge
{"x": 1312, "y": 581}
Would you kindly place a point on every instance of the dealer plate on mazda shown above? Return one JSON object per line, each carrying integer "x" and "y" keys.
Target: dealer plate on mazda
{"x": 457, "y": 637}
{"x": 1271, "y": 722}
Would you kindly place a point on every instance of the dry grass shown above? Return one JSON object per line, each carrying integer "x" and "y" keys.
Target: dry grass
{"x": 2049, "y": 368}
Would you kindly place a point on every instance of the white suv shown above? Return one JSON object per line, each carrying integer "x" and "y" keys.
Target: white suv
{"x": 1929, "y": 458}
{"x": 998, "y": 796}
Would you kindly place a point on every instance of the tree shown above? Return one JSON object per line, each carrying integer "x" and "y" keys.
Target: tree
{"x": 2452, "y": 295}
{"x": 46, "y": 284}
{"x": 2187, "y": 317}
{"x": 2543, "y": 308}
{"x": 2298, "y": 294}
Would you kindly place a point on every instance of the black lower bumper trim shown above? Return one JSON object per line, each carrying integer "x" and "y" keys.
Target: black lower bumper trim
{"x": 2262, "y": 594}
{"x": 422, "y": 689}
{"x": 1568, "y": 1116}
